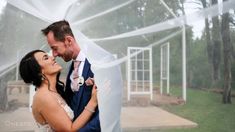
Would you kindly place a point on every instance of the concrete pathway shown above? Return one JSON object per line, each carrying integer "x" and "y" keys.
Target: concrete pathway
{"x": 132, "y": 119}
{"x": 150, "y": 118}
{"x": 20, "y": 120}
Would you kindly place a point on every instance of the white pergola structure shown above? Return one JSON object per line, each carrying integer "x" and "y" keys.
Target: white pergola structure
{"x": 139, "y": 72}
{"x": 165, "y": 67}
{"x": 184, "y": 81}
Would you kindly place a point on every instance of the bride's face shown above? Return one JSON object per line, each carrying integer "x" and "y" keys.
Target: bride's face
{"x": 47, "y": 63}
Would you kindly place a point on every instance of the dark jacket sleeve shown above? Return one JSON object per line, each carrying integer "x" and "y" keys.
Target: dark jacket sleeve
{"x": 93, "y": 125}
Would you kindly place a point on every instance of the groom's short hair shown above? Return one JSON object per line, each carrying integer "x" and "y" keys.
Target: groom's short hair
{"x": 60, "y": 29}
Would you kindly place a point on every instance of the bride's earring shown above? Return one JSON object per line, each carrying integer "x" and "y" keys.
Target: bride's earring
{"x": 43, "y": 77}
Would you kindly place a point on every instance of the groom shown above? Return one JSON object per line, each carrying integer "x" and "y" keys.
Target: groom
{"x": 78, "y": 89}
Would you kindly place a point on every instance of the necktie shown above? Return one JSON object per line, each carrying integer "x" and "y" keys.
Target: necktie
{"x": 75, "y": 86}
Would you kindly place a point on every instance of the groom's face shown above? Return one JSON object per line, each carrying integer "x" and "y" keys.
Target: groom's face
{"x": 59, "y": 48}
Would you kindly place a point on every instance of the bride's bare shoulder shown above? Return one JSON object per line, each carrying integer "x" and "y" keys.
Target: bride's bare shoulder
{"x": 43, "y": 96}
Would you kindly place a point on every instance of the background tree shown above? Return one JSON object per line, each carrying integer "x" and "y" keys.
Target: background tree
{"x": 207, "y": 32}
{"x": 227, "y": 50}
{"x": 216, "y": 47}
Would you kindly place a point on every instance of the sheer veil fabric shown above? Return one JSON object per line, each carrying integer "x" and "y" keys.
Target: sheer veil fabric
{"x": 108, "y": 80}
{"x": 83, "y": 14}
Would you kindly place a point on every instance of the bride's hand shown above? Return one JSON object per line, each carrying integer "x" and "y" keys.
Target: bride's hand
{"x": 90, "y": 81}
{"x": 94, "y": 95}
{"x": 92, "y": 104}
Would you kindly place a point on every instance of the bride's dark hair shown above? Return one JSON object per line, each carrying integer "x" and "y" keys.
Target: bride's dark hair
{"x": 30, "y": 71}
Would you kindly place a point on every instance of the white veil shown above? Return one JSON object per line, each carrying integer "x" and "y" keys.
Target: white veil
{"x": 80, "y": 14}
{"x": 108, "y": 80}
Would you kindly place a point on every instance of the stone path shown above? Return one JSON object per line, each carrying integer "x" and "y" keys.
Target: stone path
{"x": 139, "y": 114}
{"x": 151, "y": 118}
{"x": 132, "y": 119}
{"x": 20, "y": 120}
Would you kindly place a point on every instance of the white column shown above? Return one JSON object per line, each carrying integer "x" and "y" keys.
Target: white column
{"x": 184, "y": 63}
{"x": 128, "y": 74}
{"x": 161, "y": 68}
{"x": 151, "y": 73}
{"x": 168, "y": 68}
{"x": 143, "y": 81}
{"x": 31, "y": 94}
{"x": 17, "y": 65}
{"x": 136, "y": 71}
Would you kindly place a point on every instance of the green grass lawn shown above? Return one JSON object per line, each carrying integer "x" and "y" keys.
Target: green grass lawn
{"x": 206, "y": 109}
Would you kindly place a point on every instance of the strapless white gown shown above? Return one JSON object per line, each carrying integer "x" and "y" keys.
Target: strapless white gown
{"x": 46, "y": 127}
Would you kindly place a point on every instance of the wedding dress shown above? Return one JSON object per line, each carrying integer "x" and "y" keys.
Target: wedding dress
{"x": 46, "y": 127}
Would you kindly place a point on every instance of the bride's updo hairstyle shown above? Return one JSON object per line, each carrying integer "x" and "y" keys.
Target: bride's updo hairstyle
{"x": 30, "y": 70}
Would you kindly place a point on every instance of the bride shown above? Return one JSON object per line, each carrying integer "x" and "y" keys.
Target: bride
{"x": 49, "y": 108}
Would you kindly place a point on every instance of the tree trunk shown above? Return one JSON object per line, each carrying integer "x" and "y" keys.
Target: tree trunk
{"x": 216, "y": 42}
{"x": 227, "y": 58}
{"x": 208, "y": 41}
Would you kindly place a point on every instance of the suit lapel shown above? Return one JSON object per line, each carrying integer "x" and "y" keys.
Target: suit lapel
{"x": 68, "y": 81}
{"x": 86, "y": 69}
{"x": 68, "y": 90}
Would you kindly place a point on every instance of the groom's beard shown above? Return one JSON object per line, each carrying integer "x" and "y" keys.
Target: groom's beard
{"x": 67, "y": 56}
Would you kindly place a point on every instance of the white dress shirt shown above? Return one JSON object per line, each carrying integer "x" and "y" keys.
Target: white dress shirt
{"x": 81, "y": 57}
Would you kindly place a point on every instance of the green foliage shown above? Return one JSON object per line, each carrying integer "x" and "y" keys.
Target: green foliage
{"x": 233, "y": 62}
{"x": 199, "y": 68}
{"x": 143, "y": 13}
{"x": 205, "y": 109}
{"x": 233, "y": 75}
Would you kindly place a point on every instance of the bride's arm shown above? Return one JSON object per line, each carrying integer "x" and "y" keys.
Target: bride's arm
{"x": 84, "y": 117}
{"x": 58, "y": 119}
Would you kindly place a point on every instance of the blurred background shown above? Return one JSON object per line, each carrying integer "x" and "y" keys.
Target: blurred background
{"x": 177, "y": 55}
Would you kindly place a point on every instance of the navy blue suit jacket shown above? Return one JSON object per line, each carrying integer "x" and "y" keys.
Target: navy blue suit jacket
{"x": 78, "y": 100}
